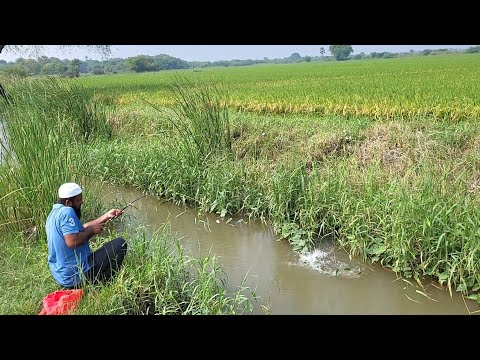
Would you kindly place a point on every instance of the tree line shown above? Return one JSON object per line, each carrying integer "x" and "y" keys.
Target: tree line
{"x": 44, "y": 65}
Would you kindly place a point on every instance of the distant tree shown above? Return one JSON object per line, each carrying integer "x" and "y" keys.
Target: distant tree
{"x": 74, "y": 68}
{"x": 473, "y": 49}
{"x": 308, "y": 58}
{"x": 31, "y": 66}
{"x": 322, "y": 52}
{"x": 359, "y": 56}
{"x": 167, "y": 62}
{"x": 295, "y": 56}
{"x": 38, "y": 50}
{"x": 97, "y": 69}
{"x": 341, "y": 52}
{"x": 141, "y": 63}
{"x": 83, "y": 68}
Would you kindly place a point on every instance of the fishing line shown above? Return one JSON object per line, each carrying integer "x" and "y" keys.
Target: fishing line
{"x": 129, "y": 204}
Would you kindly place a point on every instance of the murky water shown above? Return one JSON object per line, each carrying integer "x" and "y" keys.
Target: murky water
{"x": 322, "y": 282}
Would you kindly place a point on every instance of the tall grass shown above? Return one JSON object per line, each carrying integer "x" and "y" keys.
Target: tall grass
{"x": 159, "y": 278}
{"x": 45, "y": 123}
{"x": 200, "y": 117}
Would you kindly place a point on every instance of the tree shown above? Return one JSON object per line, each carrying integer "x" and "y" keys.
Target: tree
{"x": 74, "y": 68}
{"x": 38, "y": 50}
{"x": 141, "y": 63}
{"x": 322, "y": 52}
{"x": 295, "y": 56}
{"x": 341, "y": 52}
{"x": 473, "y": 49}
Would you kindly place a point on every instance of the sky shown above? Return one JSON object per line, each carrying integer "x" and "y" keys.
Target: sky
{"x": 216, "y": 52}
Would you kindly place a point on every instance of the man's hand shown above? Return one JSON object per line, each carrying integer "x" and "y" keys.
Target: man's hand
{"x": 97, "y": 228}
{"x": 112, "y": 214}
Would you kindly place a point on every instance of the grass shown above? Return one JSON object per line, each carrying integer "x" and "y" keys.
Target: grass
{"x": 46, "y": 126}
{"x": 48, "y": 129}
{"x": 157, "y": 278}
{"x": 388, "y": 192}
{"x": 394, "y": 183}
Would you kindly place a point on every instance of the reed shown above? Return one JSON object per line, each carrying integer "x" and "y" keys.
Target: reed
{"x": 45, "y": 124}
{"x": 200, "y": 118}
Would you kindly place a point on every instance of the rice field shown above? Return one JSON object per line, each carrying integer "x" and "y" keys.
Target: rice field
{"x": 431, "y": 87}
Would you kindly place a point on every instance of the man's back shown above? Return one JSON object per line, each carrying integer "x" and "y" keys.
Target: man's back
{"x": 64, "y": 262}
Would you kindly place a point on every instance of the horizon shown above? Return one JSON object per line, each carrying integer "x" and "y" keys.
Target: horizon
{"x": 204, "y": 53}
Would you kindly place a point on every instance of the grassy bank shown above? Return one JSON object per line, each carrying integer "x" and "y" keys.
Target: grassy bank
{"x": 157, "y": 277}
{"x": 402, "y": 194}
{"x": 49, "y": 124}
{"x": 401, "y": 191}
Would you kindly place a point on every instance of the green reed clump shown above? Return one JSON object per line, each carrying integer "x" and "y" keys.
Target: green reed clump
{"x": 200, "y": 118}
{"x": 158, "y": 278}
{"x": 45, "y": 123}
{"x": 56, "y": 97}
{"x": 415, "y": 225}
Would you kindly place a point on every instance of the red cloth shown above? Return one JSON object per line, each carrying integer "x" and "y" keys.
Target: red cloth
{"x": 61, "y": 302}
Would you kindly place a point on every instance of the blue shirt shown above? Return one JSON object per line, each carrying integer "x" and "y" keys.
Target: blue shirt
{"x": 66, "y": 265}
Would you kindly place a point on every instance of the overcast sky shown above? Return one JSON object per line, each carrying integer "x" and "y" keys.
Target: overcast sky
{"x": 218, "y": 52}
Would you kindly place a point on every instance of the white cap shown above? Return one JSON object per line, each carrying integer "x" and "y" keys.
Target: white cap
{"x": 69, "y": 190}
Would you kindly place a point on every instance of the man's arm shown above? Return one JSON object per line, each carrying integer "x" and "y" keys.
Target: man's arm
{"x": 104, "y": 218}
{"x": 80, "y": 238}
{"x": 91, "y": 228}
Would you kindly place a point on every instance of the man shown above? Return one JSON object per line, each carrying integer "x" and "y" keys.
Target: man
{"x": 70, "y": 258}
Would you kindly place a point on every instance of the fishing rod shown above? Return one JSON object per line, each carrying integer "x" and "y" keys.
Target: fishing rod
{"x": 129, "y": 204}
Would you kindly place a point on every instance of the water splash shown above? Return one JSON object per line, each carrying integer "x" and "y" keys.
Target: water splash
{"x": 326, "y": 263}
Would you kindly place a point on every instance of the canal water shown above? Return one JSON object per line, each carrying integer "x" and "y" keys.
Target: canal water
{"x": 324, "y": 281}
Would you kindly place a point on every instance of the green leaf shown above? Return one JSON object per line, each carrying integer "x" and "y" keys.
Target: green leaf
{"x": 376, "y": 249}
{"x": 475, "y": 297}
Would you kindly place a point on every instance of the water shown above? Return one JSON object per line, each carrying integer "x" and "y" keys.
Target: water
{"x": 324, "y": 281}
